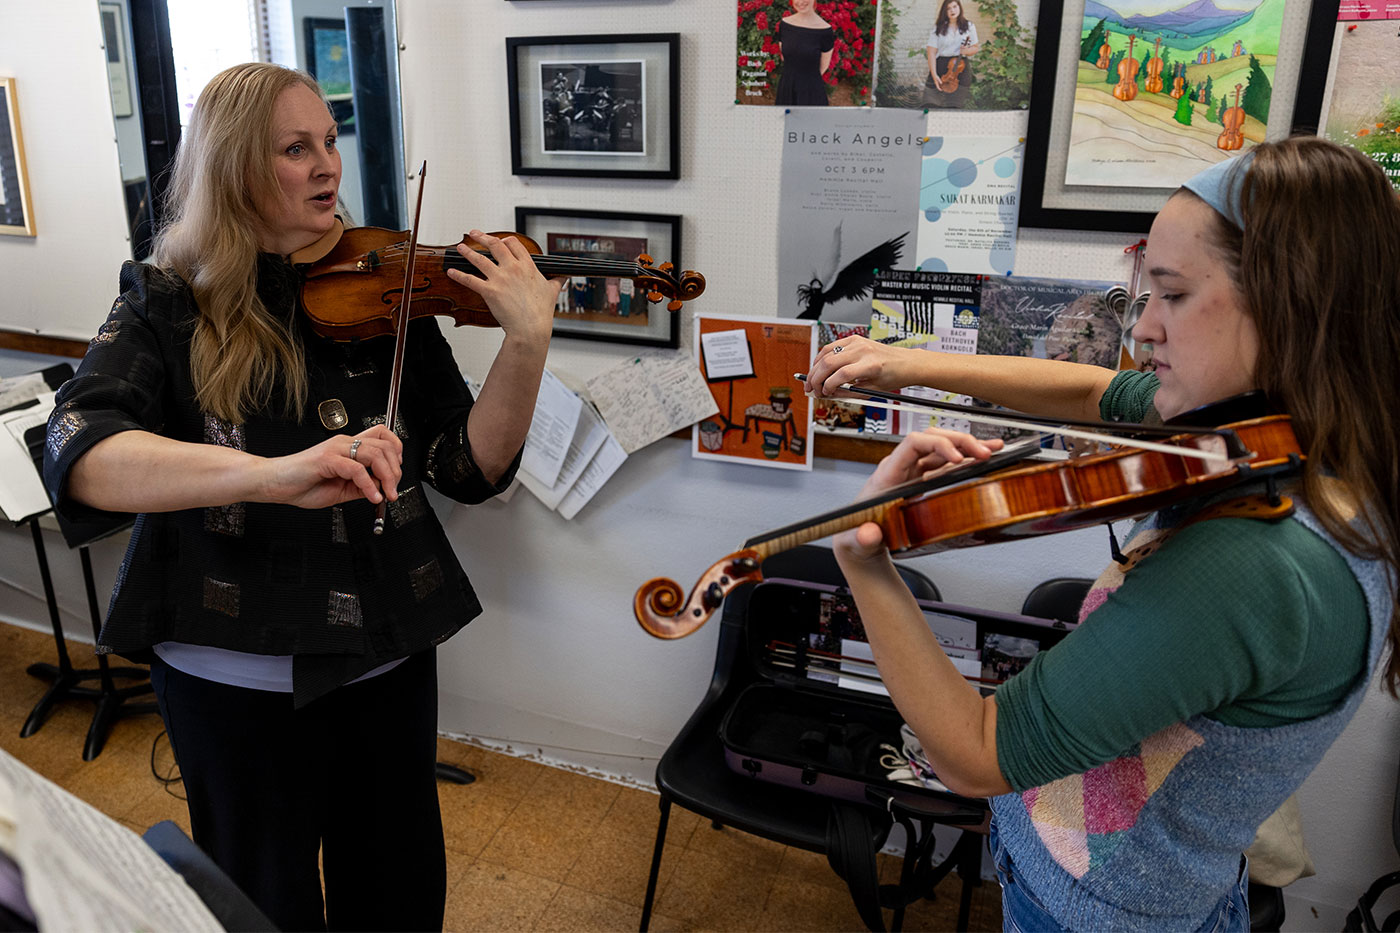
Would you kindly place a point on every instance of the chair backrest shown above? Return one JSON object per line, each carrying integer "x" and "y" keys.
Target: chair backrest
{"x": 1057, "y": 598}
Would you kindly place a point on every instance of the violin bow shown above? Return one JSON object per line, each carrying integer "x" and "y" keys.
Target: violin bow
{"x": 1065, "y": 427}
{"x": 391, "y": 409}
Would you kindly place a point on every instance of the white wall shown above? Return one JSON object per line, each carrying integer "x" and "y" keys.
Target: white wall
{"x": 556, "y": 665}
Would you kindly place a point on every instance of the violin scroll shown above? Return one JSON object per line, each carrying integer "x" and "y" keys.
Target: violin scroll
{"x": 667, "y": 284}
{"x": 658, "y": 605}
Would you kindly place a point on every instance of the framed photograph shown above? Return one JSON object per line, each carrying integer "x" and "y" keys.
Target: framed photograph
{"x": 16, "y": 211}
{"x": 595, "y": 106}
{"x": 114, "y": 38}
{"x": 328, "y": 61}
{"x": 611, "y": 308}
{"x": 1102, "y": 155}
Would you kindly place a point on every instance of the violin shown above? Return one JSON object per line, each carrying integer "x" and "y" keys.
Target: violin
{"x": 950, "y": 74}
{"x": 1233, "y": 120}
{"x": 1105, "y": 52}
{"x": 355, "y": 290}
{"x": 1126, "y": 88}
{"x": 1177, "y": 82}
{"x": 1001, "y": 499}
{"x": 1154, "y": 69}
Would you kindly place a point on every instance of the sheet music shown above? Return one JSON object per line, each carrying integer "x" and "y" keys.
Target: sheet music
{"x": 22, "y": 492}
{"x": 557, "y": 410}
{"x": 85, "y": 871}
{"x": 646, "y": 397}
{"x": 603, "y": 465}
{"x": 588, "y": 437}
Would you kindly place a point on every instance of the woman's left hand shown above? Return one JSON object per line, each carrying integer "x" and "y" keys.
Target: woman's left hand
{"x": 918, "y": 456}
{"x": 520, "y": 298}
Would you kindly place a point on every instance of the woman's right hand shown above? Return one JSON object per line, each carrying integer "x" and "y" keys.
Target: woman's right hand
{"x": 337, "y": 470}
{"x": 859, "y": 361}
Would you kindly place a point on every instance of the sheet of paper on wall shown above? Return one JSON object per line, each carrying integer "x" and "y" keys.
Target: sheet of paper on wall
{"x": 935, "y": 311}
{"x": 969, "y": 198}
{"x": 82, "y": 869}
{"x": 557, "y": 412}
{"x": 588, "y": 437}
{"x": 599, "y": 470}
{"x": 646, "y": 397}
{"x": 847, "y": 207}
{"x": 22, "y": 493}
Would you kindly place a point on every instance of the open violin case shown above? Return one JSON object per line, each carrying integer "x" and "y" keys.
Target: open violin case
{"x": 817, "y": 719}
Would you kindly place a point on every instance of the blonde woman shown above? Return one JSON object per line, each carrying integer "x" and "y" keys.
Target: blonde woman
{"x": 291, "y": 650}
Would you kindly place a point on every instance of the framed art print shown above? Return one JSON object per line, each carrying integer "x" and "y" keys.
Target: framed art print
{"x": 16, "y": 211}
{"x": 595, "y": 106}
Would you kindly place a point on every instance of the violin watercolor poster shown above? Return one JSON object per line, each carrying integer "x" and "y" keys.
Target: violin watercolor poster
{"x": 969, "y": 203}
{"x": 847, "y": 208}
{"x": 1162, "y": 93}
{"x": 765, "y": 417}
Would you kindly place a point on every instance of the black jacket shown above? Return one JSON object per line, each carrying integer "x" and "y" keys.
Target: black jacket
{"x": 276, "y": 579}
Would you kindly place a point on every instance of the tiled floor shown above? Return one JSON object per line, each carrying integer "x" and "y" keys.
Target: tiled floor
{"x": 530, "y": 847}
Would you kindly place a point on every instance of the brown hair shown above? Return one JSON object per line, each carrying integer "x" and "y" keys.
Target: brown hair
{"x": 240, "y": 352}
{"x": 941, "y": 24}
{"x": 1318, "y": 264}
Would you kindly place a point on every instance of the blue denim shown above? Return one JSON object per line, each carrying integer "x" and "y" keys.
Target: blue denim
{"x": 1022, "y": 911}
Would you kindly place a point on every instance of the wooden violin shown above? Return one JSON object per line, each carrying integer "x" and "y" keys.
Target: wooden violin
{"x": 354, "y": 291}
{"x": 1126, "y": 88}
{"x": 1154, "y": 69}
{"x": 1233, "y": 120}
{"x": 1105, "y": 52}
{"x": 989, "y": 502}
{"x": 950, "y": 74}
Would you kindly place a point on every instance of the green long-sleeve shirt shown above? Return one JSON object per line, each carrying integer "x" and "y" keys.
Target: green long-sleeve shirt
{"x": 1251, "y": 623}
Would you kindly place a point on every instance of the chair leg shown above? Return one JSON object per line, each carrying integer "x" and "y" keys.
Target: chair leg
{"x": 970, "y": 868}
{"x": 656, "y": 861}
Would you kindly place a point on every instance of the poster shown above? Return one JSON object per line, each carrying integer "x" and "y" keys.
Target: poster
{"x": 764, "y": 416}
{"x": 969, "y": 200}
{"x": 1163, "y": 93}
{"x": 771, "y": 57}
{"x": 849, "y": 416}
{"x": 993, "y": 71}
{"x": 1362, "y": 108}
{"x": 849, "y": 196}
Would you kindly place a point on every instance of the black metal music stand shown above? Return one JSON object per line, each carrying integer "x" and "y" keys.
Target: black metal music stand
{"x": 68, "y": 680}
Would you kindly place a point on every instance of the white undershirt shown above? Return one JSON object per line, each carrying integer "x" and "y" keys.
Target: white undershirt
{"x": 271, "y": 672}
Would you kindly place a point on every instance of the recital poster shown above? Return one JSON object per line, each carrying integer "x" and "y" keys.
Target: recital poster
{"x": 847, "y": 209}
{"x": 1164, "y": 92}
{"x": 821, "y": 59}
{"x": 968, "y": 204}
{"x": 1362, "y": 108}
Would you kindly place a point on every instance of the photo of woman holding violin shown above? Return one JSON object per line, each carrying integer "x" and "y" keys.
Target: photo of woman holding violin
{"x": 1130, "y": 765}
{"x": 951, "y": 42}
{"x": 291, "y": 648}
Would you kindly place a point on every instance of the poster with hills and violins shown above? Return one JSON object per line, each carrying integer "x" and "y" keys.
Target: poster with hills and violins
{"x": 1163, "y": 93}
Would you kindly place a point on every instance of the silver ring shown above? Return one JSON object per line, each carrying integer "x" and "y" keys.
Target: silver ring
{"x": 354, "y": 447}
{"x": 837, "y": 349}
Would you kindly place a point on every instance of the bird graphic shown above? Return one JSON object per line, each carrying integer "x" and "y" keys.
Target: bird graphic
{"x": 854, "y": 280}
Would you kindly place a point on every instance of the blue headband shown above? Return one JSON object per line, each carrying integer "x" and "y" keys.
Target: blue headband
{"x": 1222, "y": 187}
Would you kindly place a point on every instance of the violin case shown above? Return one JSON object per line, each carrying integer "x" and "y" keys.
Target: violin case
{"x": 814, "y": 721}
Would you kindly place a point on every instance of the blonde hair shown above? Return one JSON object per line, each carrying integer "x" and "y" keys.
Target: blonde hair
{"x": 240, "y": 352}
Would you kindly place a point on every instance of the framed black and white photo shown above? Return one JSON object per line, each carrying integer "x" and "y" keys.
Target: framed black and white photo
{"x": 612, "y": 308}
{"x": 16, "y": 211}
{"x": 595, "y": 106}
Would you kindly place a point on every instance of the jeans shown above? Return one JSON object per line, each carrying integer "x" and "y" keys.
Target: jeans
{"x": 1022, "y": 911}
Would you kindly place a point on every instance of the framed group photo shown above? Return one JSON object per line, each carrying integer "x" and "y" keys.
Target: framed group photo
{"x": 16, "y": 211}
{"x": 1123, "y": 112}
{"x": 595, "y": 106}
{"x": 612, "y": 308}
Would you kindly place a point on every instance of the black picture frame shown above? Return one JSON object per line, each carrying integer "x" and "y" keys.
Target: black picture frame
{"x": 612, "y": 235}
{"x": 595, "y": 106}
{"x": 1045, "y": 203}
{"x": 16, "y": 211}
{"x": 323, "y": 34}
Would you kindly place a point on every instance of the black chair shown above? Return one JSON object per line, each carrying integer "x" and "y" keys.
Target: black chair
{"x": 226, "y": 901}
{"x": 1362, "y": 916}
{"x": 1060, "y": 598}
{"x": 693, "y": 773}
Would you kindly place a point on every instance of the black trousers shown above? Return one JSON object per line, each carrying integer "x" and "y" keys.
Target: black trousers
{"x": 350, "y": 776}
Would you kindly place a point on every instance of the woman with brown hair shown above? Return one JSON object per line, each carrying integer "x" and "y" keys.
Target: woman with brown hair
{"x": 1130, "y": 765}
{"x": 291, "y": 650}
{"x": 951, "y": 42}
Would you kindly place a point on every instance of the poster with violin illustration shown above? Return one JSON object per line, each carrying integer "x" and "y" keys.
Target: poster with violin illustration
{"x": 1161, "y": 94}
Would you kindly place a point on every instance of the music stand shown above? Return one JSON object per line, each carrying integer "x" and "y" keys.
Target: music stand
{"x": 727, "y": 416}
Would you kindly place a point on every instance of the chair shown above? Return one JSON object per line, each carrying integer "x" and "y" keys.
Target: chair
{"x": 1362, "y": 916}
{"x": 226, "y": 901}
{"x": 692, "y": 772}
{"x": 1060, "y": 598}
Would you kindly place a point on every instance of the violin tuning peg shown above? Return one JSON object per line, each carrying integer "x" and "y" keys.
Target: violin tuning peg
{"x": 654, "y": 297}
{"x": 673, "y": 305}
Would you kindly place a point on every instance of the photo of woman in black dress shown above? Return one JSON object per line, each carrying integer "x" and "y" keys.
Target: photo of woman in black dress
{"x": 806, "y": 41}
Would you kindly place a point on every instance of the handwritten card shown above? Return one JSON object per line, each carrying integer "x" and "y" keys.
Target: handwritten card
{"x": 647, "y": 397}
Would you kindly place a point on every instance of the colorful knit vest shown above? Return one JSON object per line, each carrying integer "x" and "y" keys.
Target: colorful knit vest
{"x": 1152, "y": 839}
